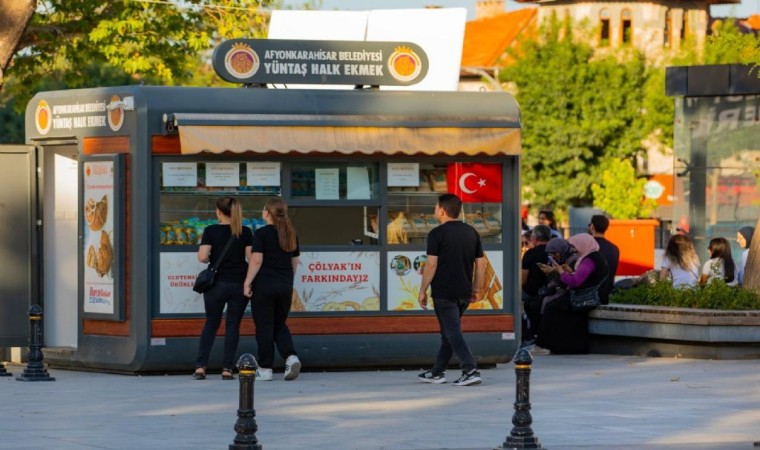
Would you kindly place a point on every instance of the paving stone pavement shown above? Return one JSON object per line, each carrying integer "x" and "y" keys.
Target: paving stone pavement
{"x": 578, "y": 402}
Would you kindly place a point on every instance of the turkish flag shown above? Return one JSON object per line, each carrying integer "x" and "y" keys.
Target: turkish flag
{"x": 475, "y": 182}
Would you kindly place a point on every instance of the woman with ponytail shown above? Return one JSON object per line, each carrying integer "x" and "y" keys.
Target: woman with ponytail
{"x": 271, "y": 270}
{"x": 228, "y": 283}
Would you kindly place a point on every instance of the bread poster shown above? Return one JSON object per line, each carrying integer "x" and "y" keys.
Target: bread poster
{"x": 405, "y": 274}
{"x": 337, "y": 282}
{"x": 98, "y": 235}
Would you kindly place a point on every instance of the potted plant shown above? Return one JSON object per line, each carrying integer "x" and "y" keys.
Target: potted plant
{"x": 712, "y": 322}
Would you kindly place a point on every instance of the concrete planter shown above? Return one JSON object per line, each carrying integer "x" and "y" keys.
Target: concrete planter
{"x": 676, "y": 332}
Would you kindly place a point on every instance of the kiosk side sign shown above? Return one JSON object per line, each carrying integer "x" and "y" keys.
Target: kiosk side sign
{"x": 262, "y": 61}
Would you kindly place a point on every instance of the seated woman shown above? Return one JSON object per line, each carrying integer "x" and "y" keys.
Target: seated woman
{"x": 564, "y": 331}
{"x": 744, "y": 239}
{"x": 561, "y": 252}
{"x": 721, "y": 265}
{"x": 680, "y": 261}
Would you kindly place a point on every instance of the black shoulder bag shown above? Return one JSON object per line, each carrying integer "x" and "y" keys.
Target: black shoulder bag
{"x": 586, "y": 299}
{"x": 205, "y": 279}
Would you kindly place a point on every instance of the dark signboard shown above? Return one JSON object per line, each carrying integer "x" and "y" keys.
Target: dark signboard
{"x": 262, "y": 61}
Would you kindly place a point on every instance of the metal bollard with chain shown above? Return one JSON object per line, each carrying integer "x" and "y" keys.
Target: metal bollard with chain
{"x": 35, "y": 369}
{"x": 246, "y": 427}
{"x": 521, "y": 435}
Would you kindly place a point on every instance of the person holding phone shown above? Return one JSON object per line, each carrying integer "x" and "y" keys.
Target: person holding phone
{"x": 564, "y": 331}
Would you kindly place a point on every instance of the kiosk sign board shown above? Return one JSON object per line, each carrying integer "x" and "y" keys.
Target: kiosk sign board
{"x": 262, "y": 61}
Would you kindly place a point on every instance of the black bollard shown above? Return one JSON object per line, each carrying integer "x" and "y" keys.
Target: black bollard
{"x": 3, "y": 372}
{"x": 35, "y": 370}
{"x": 521, "y": 435}
{"x": 245, "y": 427}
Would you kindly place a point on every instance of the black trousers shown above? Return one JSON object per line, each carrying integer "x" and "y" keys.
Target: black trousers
{"x": 270, "y": 307}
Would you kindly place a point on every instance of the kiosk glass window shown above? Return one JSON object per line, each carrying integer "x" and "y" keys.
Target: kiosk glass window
{"x": 334, "y": 181}
{"x": 189, "y": 191}
{"x": 338, "y": 225}
{"x": 413, "y": 190}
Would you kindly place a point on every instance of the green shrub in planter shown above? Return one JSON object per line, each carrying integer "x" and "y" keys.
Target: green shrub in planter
{"x": 716, "y": 295}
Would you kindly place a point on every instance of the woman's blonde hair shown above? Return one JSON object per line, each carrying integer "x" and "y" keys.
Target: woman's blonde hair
{"x": 232, "y": 209}
{"x": 278, "y": 210}
{"x": 680, "y": 251}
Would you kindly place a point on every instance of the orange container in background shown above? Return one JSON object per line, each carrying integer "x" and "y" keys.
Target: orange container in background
{"x": 635, "y": 239}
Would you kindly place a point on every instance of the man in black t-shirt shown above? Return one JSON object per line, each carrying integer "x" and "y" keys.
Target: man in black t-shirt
{"x": 531, "y": 280}
{"x": 454, "y": 252}
{"x": 610, "y": 251}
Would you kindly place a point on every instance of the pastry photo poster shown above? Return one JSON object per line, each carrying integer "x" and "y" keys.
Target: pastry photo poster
{"x": 98, "y": 236}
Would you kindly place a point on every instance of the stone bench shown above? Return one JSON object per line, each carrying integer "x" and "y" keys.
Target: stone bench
{"x": 675, "y": 332}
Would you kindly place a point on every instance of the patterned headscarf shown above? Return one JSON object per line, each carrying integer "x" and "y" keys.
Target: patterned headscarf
{"x": 584, "y": 243}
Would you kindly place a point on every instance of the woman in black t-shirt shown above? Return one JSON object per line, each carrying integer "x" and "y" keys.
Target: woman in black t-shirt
{"x": 271, "y": 270}
{"x": 228, "y": 283}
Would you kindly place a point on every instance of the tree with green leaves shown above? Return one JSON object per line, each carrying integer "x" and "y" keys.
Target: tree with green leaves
{"x": 579, "y": 110}
{"x": 620, "y": 192}
{"x": 728, "y": 45}
{"x": 154, "y": 41}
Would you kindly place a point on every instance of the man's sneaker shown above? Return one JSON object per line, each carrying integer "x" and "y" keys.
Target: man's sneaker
{"x": 292, "y": 367}
{"x": 468, "y": 378}
{"x": 536, "y": 350}
{"x": 432, "y": 377}
{"x": 263, "y": 374}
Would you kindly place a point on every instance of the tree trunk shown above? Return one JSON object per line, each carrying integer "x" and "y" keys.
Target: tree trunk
{"x": 752, "y": 271}
{"x": 15, "y": 15}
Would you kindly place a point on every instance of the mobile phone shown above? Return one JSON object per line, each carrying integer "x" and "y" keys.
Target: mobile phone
{"x": 551, "y": 260}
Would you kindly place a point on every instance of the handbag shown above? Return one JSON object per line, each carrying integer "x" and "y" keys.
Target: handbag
{"x": 584, "y": 299}
{"x": 205, "y": 279}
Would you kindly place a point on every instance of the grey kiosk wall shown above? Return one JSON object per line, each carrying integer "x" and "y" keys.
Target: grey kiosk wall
{"x": 137, "y": 169}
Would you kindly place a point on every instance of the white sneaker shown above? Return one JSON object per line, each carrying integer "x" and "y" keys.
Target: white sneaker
{"x": 292, "y": 367}
{"x": 536, "y": 351}
{"x": 263, "y": 374}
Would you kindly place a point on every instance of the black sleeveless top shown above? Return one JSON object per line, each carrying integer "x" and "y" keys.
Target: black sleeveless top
{"x": 600, "y": 272}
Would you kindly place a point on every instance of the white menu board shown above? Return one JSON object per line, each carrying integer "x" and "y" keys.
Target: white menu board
{"x": 222, "y": 174}
{"x": 263, "y": 174}
{"x": 327, "y": 181}
{"x": 357, "y": 183}
{"x": 184, "y": 174}
{"x": 403, "y": 174}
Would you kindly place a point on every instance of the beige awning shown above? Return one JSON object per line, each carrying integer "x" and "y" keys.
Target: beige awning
{"x": 364, "y": 140}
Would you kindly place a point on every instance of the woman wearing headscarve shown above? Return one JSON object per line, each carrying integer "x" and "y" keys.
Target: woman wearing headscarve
{"x": 564, "y": 331}
{"x": 561, "y": 252}
{"x": 744, "y": 239}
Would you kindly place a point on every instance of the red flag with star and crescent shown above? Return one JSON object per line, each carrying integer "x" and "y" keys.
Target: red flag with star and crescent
{"x": 475, "y": 182}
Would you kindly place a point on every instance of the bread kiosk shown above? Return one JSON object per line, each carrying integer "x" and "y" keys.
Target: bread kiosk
{"x": 130, "y": 176}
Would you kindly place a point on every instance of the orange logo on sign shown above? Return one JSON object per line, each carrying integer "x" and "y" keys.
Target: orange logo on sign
{"x": 43, "y": 118}
{"x": 404, "y": 64}
{"x": 241, "y": 61}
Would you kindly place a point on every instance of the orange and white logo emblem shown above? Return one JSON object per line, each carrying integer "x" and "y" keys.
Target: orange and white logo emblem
{"x": 43, "y": 117}
{"x": 115, "y": 113}
{"x": 404, "y": 64}
{"x": 241, "y": 61}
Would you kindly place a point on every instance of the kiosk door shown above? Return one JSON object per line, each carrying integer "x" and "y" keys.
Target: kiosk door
{"x": 18, "y": 243}
{"x": 60, "y": 251}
